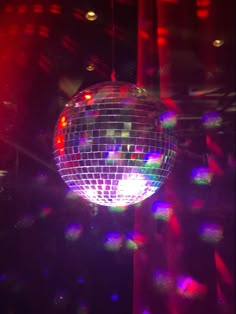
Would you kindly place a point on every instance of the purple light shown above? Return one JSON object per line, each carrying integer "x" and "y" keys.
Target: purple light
{"x": 202, "y": 176}
{"x": 211, "y": 120}
{"x": 113, "y": 241}
{"x": 163, "y": 280}
{"x": 162, "y": 211}
{"x": 108, "y": 148}
{"x": 189, "y": 288}
{"x": 73, "y": 232}
{"x": 211, "y": 232}
{"x": 168, "y": 119}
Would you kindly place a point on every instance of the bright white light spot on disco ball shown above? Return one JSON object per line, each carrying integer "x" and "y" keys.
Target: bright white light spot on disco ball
{"x": 108, "y": 145}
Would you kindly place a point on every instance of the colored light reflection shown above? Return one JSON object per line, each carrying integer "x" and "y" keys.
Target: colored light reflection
{"x": 63, "y": 122}
{"x": 118, "y": 209}
{"x": 45, "y": 212}
{"x": 114, "y": 157}
{"x": 72, "y": 195}
{"x": 88, "y": 96}
{"x": 211, "y": 232}
{"x": 163, "y": 281}
{"x": 197, "y": 204}
{"x": 138, "y": 205}
{"x": 73, "y": 232}
{"x": 212, "y": 120}
{"x": 162, "y": 211}
{"x": 153, "y": 160}
{"x": 168, "y": 119}
{"x": 135, "y": 240}
{"x": 189, "y": 288}
{"x": 202, "y": 176}
{"x": 113, "y": 241}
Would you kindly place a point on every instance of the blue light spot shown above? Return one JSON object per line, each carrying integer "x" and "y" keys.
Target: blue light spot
{"x": 3, "y": 277}
{"x": 80, "y": 280}
{"x": 115, "y": 297}
{"x": 45, "y": 272}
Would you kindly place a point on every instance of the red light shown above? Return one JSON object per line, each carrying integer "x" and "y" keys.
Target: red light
{"x": 79, "y": 14}
{"x": 43, "y": 31}
{"x": 171, "y": 1}
{"x": 38, "y": 8}
{"x": 162, "y": 31}
{"x": 144, "y": 35}
{"x": 70, "y": 44}
{"x": 22, "y": 8}
{"x": 59, "y": 143}
{"x": 13, "y": 30}
{"x": 161, "y": 41}
{"x": 44, "y": 63}
{"x": 9, "y": 9}
{"x": 202, "y": 14}
{"x": 123, "y": 90}
{"x": 55, "y": 9}
{"x": 30, "y": 29}
{"x": 203, "y": 3}
{"x": 87, "y": 96}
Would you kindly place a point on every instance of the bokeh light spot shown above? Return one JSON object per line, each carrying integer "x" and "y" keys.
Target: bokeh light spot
{"x": 163, "y": 280}
{"x": 168, "y": 119}
{"x": 118, "y": 209}
{"x": 73, "y": 232}
{"x": 135, "y": 240}
{"x": 189, "y": 288}
{"x": 45, "y": 212}
{"x": 211, "y": 232}
{"x": 113, "y": 241}
{"x": 115, "y": 297}
{"x": 202, "y": 176}
{"x": 162, "y": 210}
{"x": 212, "y": 120}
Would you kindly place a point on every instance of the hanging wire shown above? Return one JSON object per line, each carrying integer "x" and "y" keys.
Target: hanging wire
{"x": 113, "y": 72}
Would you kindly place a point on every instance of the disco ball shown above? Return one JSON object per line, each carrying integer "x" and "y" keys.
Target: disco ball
{"x": 109, "y": 145}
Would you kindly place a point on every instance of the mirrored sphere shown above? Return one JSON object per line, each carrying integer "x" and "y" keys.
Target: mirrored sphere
{"x": 109, "y": 145}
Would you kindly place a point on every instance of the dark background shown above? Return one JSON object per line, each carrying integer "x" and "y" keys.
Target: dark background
{"x": 43, "y": 60}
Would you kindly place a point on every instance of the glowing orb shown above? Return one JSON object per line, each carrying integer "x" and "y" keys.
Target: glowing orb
{"x": 109, "y": 145}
